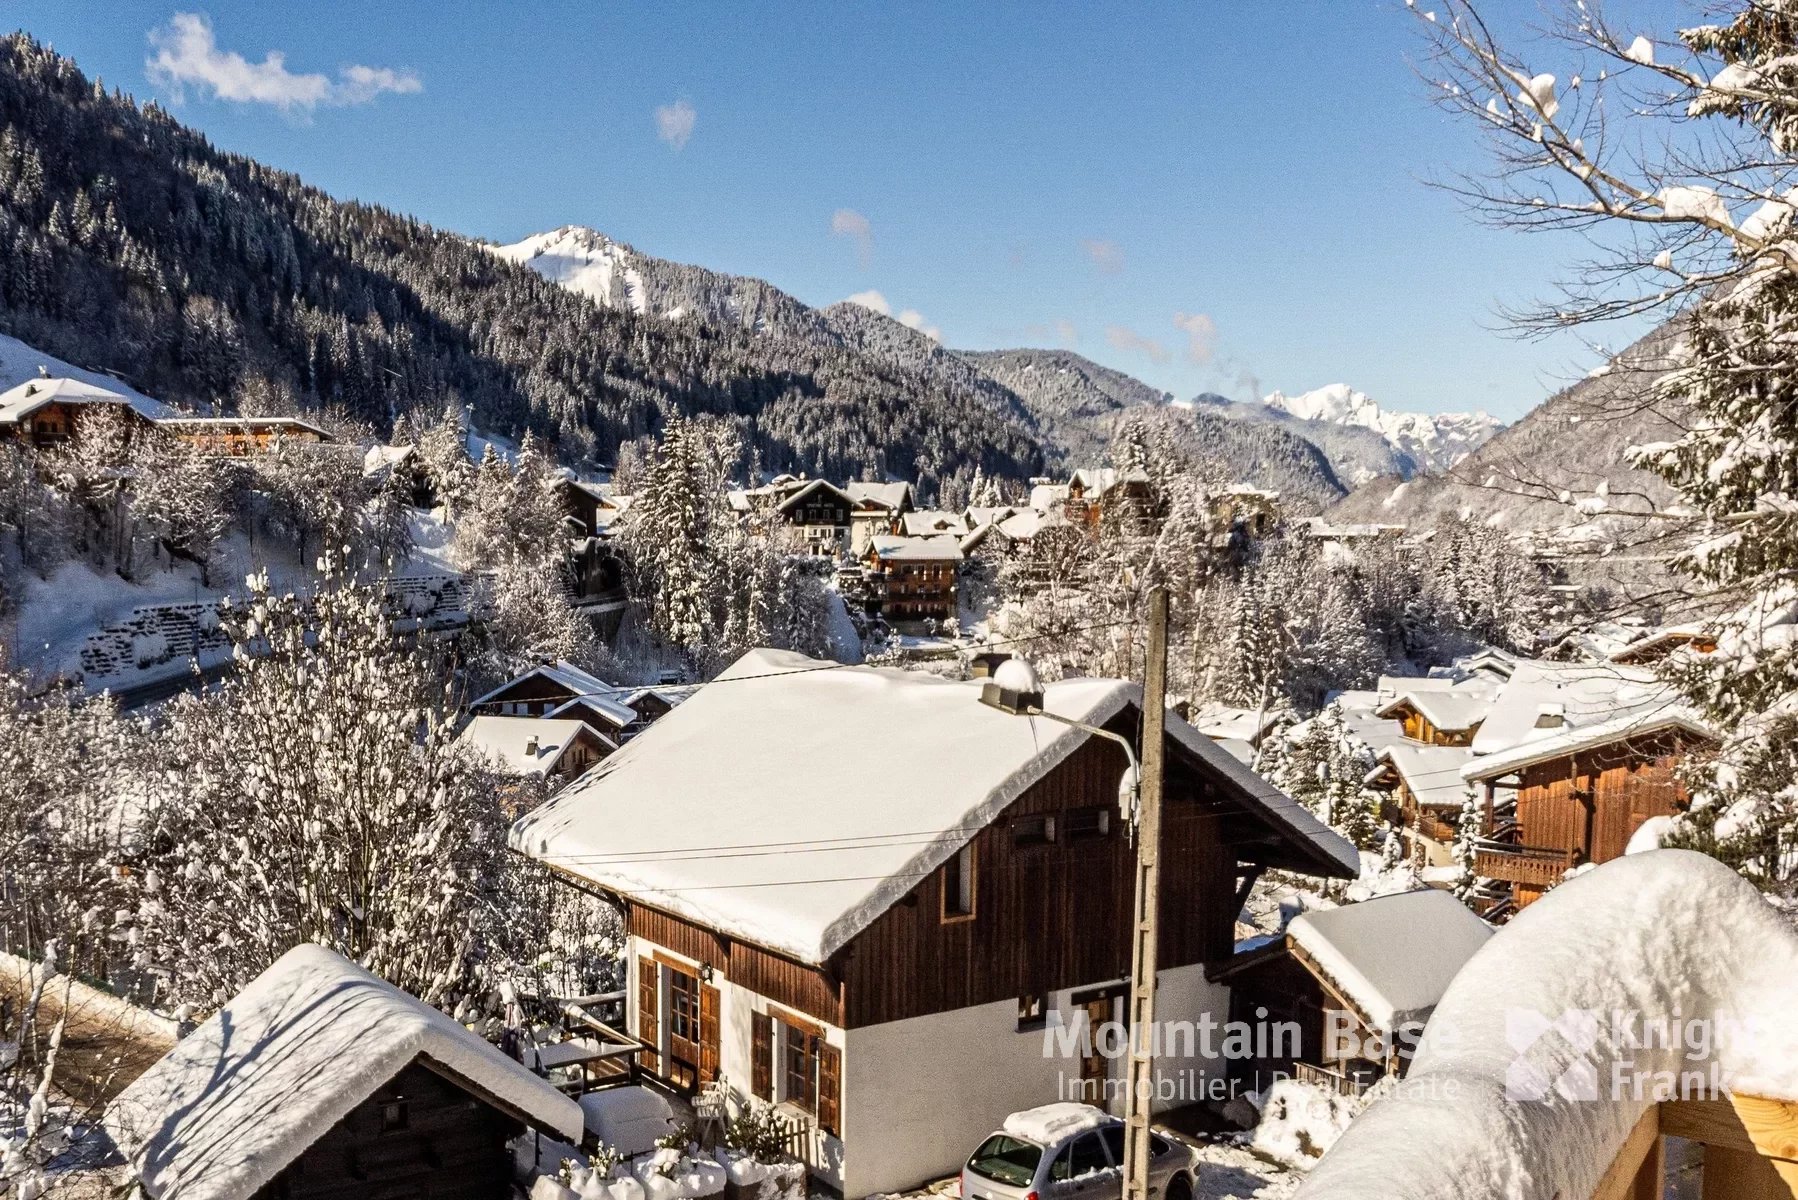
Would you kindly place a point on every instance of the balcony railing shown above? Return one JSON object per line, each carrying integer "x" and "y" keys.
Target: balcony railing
{"x": 1536, "y": 866}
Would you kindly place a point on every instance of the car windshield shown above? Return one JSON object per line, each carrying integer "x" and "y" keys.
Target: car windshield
{"x": 1007, "y": 1160}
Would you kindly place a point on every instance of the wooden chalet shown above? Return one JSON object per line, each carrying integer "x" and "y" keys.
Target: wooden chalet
{"x": 1092, "y": 491}
{"x": 873, "y": 509}
{"x": 820, "y": 514}
{"x": 1359, "y": 982}
{"x": 44, "y": 412}
{"x": 1658, "y": 644}
{"x": 320, "y": 1080}
{"x": 1554, "y": 803}
{"x": 1424, "y": 798}
{"x": 1440, "y": 716}
{"x": 553, "y": 749}
{"x": 241, "y": 437}
{"x": 592, "y": 508}
{"x": 537, "y": 691}
{"x": 863, "y": 896}
{"x": 913, "y": 578}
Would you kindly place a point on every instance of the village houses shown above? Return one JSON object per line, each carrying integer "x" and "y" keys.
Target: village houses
{"x": 876, "y": 944}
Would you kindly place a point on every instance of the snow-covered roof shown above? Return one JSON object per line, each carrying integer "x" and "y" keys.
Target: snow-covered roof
{"x": 1022, "y": 526}
{"x": 242, "y": 1096}
{"x": 1545, "y": 699}
{"x": 751, "y": 809}
{"x": 615, "y": 711}
{"x": 379, "y": 459}
{"x": 1357, "y": 713}
{"x": 524, "y": 745}
{"x": 1048, "y": 497}
{"x": 1099, "y": 480}
{"x": 19, "y": 402}
{"x": 245, "y": 423}
{"x": 1667, "y": 939}
{"x": 942, "y": 547}
{"x": 815, "y": 485}
{"x": 1632, "y": 724}
{"x": 1432, "y": 773}
{"x": 978, "y": 515}
{"x": 564, "y": 674}
{"x": 926, "y": 521}
{"x": 890, "y": 496}
{"x": 1392, "y": 957}
{"x": 1452, "y": 710}
{"x": 1226, "y": 721}
{"x": 1666, "y": 638}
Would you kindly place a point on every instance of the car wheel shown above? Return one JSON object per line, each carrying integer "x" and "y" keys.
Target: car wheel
{"x": 1179, "y": 1188}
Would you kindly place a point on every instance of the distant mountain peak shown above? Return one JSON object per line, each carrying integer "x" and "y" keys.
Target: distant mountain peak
{"x": 1434, "y": 443}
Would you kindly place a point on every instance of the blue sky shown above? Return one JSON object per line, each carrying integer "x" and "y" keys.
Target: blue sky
{"x": 1197, "y": 194}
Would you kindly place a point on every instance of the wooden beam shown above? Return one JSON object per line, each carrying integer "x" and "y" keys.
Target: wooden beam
{"x": 1750, "y": 1141}
{"x": 1635, "y": 1173}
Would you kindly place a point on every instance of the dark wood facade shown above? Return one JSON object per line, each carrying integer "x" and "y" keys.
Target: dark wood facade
{"x": 1580, "y": 809}
{"x": 423, "y": 1134}
{"x": 54, "y": 423}
{"x": 530, "y": 696}
{"x": 1049, "y": 912}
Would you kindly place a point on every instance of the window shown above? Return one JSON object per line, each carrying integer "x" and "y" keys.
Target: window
{"x": 1084, "y": 1157}
{"x": 958, "y": 885}
{"x": 799, "y": 1083}
{"x": 1088, "y": 823}
{"x": 394, "y": 1116}
{"x": 683, "y": 1005}
{"x": 1033, "y": 1011}
{"x": 1033, "y": 831}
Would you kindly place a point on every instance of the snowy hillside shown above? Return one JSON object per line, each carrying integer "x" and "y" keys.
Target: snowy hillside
{"x": 20, "y": 362}
{"x": 1435, "y": 443}
{"x": 584, "y": 261}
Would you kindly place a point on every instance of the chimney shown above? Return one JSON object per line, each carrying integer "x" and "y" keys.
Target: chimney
{"x": 530, "y": 747}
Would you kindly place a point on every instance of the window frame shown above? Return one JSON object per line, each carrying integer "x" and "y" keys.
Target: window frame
{"x": 1033, "y": 1012}
{"x": 961, "y": 872}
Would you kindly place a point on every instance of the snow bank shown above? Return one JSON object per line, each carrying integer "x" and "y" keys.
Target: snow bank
{"x": 1300, "y": 1122}
{"x": 1636, "y": 944}
{"x": 289, "y": 1057}
{"x": 1051, "y": 1123}
{"x": 628, "y": 1119}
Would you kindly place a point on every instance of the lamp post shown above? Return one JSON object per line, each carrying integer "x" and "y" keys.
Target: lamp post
{"x": 1016, "y": 689}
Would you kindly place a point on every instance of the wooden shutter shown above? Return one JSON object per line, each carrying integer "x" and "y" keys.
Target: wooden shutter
{"x": 830, "y": 1088}
{"x": 648, "y": 1002}
{"x": 708, "y": 1033}
{"x": 762, "y": 1054}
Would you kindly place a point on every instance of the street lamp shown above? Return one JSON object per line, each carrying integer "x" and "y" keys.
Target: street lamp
{"x": 1016, "y": 688}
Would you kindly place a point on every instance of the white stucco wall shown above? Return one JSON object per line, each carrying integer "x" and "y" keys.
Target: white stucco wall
{"x": 920, "y": 1094}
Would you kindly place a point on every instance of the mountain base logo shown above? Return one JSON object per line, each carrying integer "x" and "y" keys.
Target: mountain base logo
{"x": 1585, "y": 1054}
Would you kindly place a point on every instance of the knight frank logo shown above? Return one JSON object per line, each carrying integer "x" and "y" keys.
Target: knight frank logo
{"x": 1551, "y": 1055}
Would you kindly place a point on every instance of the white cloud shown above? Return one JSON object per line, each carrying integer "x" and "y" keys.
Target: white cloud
{"x": 911, "y": 318}
{"x": 1105, "y": 254}
{"x": 186, "y": 52}
{"x": 1201, "y": 336}
{"x": 1123, "y": 338}
{"x": 874, "y": 300}
{"x": 846, "y": 222}
{"x": 674, "y": 122}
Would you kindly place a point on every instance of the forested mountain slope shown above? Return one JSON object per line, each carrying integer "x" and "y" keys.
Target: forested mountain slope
{"x": 127, "y": 242}
{"x": 1533, "y": 475}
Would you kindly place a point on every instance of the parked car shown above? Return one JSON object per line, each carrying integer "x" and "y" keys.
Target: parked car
{"x": 1071, "y": 1152}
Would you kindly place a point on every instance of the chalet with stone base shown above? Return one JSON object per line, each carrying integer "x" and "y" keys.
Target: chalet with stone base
{"x": 895, "y": 913}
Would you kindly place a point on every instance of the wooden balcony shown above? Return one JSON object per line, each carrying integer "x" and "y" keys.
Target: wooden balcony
{"x": 1535, "y": 866}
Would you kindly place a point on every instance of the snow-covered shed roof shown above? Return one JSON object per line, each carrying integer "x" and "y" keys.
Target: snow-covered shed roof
{"x": 944, "y": 547}
{"x": 890, "y": 496}
{"x": 1452, "y": 710}
{"x": 751, "y": 809}
{"x": 1227, "y": 721}
{"x": 564, "y": 674}
{"x": 1632, "y": 724}
{"x": 242, "y": 1096}
{"x": 19, "y": 402}
{"x": 525, "y": 745}
{"x": 1662, "y": 939}
{"x": 1391, "y": 957}
{"x": 1432, "y": 773}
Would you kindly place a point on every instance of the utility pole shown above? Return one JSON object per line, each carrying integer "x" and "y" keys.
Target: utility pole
{"x": 1145, "y": 926}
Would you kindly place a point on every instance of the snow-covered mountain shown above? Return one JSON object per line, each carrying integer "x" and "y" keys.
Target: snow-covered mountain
{"x": 1434, "y": 443}
{"x": 582, "y": 260}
